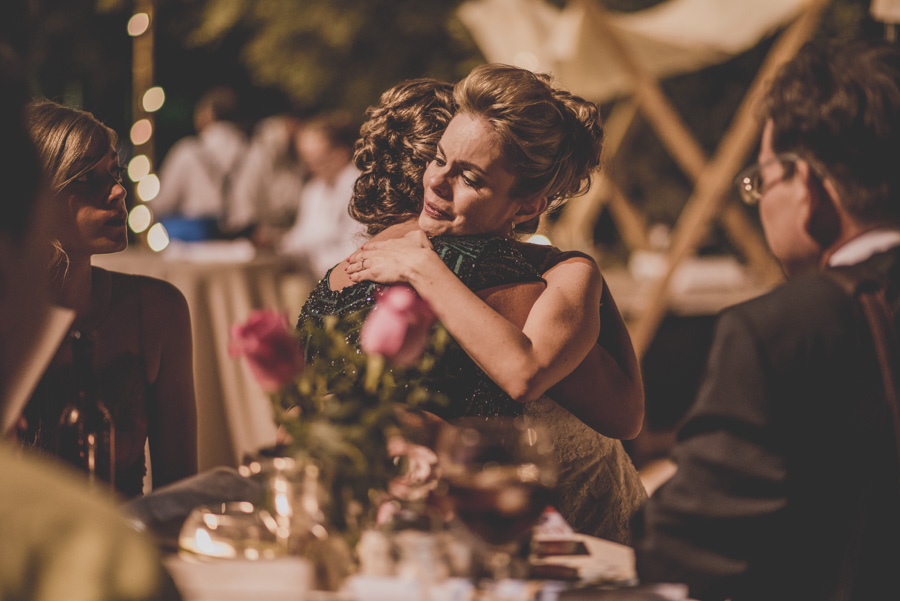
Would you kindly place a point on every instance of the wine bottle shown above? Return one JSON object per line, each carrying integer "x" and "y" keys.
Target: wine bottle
{"x": 86, "y": 434}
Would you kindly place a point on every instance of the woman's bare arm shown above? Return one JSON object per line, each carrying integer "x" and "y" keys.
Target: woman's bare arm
{"x": 605, "y": 390}
{"x": 559, "y": 331}
{"x": 173, "y": 421}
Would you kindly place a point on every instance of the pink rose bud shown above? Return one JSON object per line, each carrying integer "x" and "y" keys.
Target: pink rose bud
{"x": 271, "y": 352}
{"x": 398, "y": 326}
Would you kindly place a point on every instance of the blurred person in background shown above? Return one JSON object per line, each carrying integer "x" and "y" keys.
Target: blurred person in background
{"x": 787, "y": 464}
{"x": 197, "y": 174}
{"x": 140, "y": 326}
{"x": 324, "y": 232}
{"x": 59, "y": 540}
{"x": 269, "y": 184}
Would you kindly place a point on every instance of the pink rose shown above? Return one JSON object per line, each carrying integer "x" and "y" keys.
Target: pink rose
{"x": 398, "y": 326}
{"x": 272, "y": 354}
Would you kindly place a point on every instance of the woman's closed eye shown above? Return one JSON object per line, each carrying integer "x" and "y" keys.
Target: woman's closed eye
{"x": 471, "y": 180}
{"x": 96, "y": 181}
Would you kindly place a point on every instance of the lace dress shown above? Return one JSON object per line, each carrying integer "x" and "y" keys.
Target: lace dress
{"x": 598, "y": 488}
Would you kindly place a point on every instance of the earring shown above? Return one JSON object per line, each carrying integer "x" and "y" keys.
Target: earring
{"x": 513, "y": 227}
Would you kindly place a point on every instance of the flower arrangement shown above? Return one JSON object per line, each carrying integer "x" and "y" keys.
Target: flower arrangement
{"x": 342, "y": 408}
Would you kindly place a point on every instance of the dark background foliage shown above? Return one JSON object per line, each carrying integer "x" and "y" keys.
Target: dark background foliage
{"x": 314, "y": 55}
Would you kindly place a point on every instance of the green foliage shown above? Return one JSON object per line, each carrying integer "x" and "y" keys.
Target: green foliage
{"x": 341, "y": 53}
{"x": 345, "y": 406}
{"x": 344, "y": 54}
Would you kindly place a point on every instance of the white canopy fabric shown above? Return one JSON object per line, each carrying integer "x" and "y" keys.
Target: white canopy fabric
{"x": 674, "y": 37}
{"x": 887, "y": 11}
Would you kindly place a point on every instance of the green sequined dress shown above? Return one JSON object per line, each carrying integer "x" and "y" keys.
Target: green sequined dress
{"x": 598, "y": 488}
{"x": 480, "y": 262}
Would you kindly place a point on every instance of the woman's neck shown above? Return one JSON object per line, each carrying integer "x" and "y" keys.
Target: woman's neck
{"x": 86, "y": 290}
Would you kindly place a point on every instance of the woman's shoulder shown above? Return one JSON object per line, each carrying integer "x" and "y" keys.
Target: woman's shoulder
{"x": 155, "y": 297}
{"x": 147, "y": 286}
{"x": 323, "y": 300}
{"x": 545, "y": 257}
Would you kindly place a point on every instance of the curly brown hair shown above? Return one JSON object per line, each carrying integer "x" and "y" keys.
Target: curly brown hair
{"x": 397, "y": 141}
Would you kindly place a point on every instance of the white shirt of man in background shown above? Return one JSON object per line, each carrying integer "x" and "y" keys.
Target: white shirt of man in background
{"x": 266, "y": 189}
{"x": 192, "y": 175}
{"x": 324, "y": 233}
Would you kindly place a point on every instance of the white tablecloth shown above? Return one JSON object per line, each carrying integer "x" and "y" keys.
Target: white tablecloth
{"x": 234, "y": 415}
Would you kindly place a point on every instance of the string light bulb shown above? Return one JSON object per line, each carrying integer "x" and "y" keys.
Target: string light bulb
{"x": 148, "y": 188}
{"x": 138, "y": 24}
{"x": 141, "y": 132}
{"x": 138, "y": 168}
{"x": 153, "y": 99}
{"x": 139, "y": 219}
{"x": 157, "y": 237}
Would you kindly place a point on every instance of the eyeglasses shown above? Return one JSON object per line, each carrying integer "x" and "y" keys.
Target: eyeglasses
{"x": 750, "y": 183}
{"x": 96, "y": 182}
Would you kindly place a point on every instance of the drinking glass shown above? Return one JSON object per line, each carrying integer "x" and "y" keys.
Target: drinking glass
{"x": 235, "y": 530}
{"x": 496, "y": 476}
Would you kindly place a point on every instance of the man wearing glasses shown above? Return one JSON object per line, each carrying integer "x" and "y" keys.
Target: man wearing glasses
{"x": 788, "y": 484}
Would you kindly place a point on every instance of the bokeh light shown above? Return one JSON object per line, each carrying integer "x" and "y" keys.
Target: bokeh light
{"x": 153, "y": 99}
{"x": 157, "y": 237}
{"x": 141, "y": 132}
{"x": 139, "y": 219}
{"x": 539, "y": 239}
{"x": 138, "y": 168}
{"x": 138, "y": 24}
{"x": 148, "y": 188}
{"x": 527, "y": 60}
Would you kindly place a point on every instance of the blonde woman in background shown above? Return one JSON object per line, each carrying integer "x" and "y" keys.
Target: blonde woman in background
{"x": 140, "y": 325}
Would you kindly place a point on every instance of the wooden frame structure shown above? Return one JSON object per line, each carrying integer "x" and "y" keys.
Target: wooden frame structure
{"x": 712, "y": 176}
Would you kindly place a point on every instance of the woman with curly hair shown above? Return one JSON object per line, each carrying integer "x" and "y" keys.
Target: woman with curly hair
{"x": 397, "y": 141}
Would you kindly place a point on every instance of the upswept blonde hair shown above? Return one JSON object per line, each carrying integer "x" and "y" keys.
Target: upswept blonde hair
{"x": 69, "y": 143}
{"x": 551, "y": 139}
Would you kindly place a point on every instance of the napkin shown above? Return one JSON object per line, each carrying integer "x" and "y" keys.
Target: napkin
{"x": 164, "y": 510}
{"x": 281, "y": 579}
{"x": 385, "y": 588}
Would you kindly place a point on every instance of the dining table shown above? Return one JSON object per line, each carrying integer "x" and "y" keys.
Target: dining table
{"x": 564, "y": 565}
{"x": 605, "y": 573}
{"x": 223, "y": 282}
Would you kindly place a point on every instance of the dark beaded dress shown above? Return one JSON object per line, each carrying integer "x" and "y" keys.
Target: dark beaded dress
{"x": 124, "y": 389}
{"x": 598, "y": 488}
{"x": 480, "y": 262}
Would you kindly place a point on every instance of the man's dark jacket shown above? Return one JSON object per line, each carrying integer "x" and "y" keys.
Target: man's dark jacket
{"x": 787, "y": 483}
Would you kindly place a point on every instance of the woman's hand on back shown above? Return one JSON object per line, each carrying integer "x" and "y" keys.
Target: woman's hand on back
{"x": 392, "y": 261}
